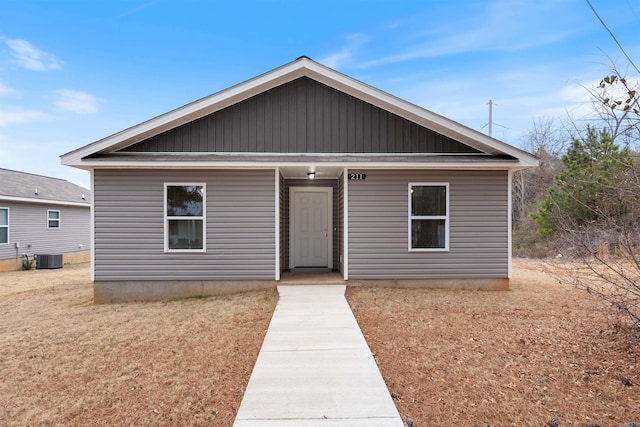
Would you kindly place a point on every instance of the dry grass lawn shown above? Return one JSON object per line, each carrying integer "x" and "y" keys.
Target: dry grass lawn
{"x": 463, "y": 358}
{"x": 65, "y": 361}
{"x": 515, "y": 358}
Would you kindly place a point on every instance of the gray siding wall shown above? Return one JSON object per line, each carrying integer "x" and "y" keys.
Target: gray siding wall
{"x": 28, "y": 226}
{"x": 315, "y": 183}
{"x": 129, "y": 224}
{"x": 378, "y": 226}
{"x": 302, "y": 116}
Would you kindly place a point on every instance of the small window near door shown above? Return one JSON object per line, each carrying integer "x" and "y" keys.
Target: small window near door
{"x": 428, "y": 216}
{"x": 4, "y": 225}
{"x": 53, "y": 219}
{"x": 185, "y": 217}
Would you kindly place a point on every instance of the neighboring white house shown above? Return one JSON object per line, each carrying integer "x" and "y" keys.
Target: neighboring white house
{"x": 42, "y": 215}
{"x": 299, "y": 169}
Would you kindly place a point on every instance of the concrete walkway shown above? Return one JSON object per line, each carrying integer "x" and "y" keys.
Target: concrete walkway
{"x": 315, "y": 368}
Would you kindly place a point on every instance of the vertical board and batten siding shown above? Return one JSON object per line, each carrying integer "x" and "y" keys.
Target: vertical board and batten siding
{"x": 302, "y": 116}
{"x": 478, "y": 227}
{"x": 28, "y": 226}
{"x": 286, "y": 206}
{"x": 129, "y": 226}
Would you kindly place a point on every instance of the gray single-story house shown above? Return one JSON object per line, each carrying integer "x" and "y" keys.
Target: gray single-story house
{"x": 301, "y": 168}
{"x": 41, "y": 215}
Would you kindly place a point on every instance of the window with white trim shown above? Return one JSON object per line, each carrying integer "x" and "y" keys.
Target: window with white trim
{"x": 4, "y": 225}
{"x": 184, "y": 217}
{"x": 53, "y": 219}
{"x": 428, "y": 216}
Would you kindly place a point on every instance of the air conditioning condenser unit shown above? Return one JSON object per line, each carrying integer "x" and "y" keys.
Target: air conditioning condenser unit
{"x": 49, "y": 261}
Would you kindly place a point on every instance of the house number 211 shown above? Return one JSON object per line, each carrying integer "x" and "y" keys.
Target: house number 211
{"x": 357, "y": 176}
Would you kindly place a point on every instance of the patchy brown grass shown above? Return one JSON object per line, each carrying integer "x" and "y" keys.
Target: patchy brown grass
{"x": 513, "y": 358}
{"x": 463, "y": 358}
{"x": 65, "y": 361}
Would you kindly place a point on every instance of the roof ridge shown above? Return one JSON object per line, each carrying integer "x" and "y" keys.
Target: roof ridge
{"x": 35, "y": 174}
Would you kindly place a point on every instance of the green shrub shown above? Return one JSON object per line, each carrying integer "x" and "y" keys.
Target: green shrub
{"x": 27, "y": 263}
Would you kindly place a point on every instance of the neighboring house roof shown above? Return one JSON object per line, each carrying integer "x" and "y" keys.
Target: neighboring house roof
{"x": 94, "y": 154}
{"x": 27, "y": 187}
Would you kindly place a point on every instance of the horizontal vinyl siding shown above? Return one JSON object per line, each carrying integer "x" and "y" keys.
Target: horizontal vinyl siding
{"x": 378, "y": 226}
{"x": 302, "y": 116}
{"x": 28, "y": 226}
{"x": 129, "y": 226}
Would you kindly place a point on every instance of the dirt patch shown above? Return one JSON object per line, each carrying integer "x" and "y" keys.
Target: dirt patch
{"x": 510, "y": 358}
{"x": 65, "y": 361}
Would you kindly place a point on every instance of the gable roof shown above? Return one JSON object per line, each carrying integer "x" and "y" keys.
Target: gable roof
{"x": 26, "y": 187}
{"x": 301, "y": 67}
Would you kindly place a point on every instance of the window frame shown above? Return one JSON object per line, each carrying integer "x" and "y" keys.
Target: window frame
{"x": 6, "y": 226}
{"x": 412, "y": 217}
{"x": 168, "y": 218}
{"x": 49, "y": 219}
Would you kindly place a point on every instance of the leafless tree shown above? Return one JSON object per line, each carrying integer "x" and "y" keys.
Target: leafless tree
{"x": 544, "y": 140}
{"x": 616, "y": 102}
{"x": 603, "y": 254}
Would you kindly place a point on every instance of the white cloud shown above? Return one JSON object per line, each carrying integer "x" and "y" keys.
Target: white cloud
{"x": 344, "y": 55}
{"x": 31, "y": 58}
{"x": 5, "y": 90}
{"x": 76, "y": 102}
{"x": 520, "y": 95}
{"x": 503, "y": 25}
{"x": 13, "y": 116}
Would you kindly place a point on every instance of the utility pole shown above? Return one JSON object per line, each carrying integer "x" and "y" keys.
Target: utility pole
{"x": 490, "y": 117}
{"x": 490, "y": 124}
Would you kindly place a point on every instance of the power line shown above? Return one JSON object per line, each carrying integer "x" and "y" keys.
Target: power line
{"x": 612, "y": 35}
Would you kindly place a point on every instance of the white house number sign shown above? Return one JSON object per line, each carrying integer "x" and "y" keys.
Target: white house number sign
{"x": 357, "y": 176}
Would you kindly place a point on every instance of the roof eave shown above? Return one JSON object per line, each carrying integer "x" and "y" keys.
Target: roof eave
{"x": 44, "y": 201}
{"x": 498, "y": 164}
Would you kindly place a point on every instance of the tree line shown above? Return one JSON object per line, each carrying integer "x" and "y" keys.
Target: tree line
{"x": 583, "y": 203}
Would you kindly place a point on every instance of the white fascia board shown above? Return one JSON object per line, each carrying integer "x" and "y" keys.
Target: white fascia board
{"x": 43, "y": 202}
{"x": 89, "y": 164}
{"x": 176, "y": 164}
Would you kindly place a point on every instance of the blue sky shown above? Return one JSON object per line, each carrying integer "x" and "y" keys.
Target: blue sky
{"x": 72, "y": 72}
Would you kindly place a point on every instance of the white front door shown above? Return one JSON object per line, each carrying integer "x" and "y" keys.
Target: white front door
{"x": 310, "y": 227}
